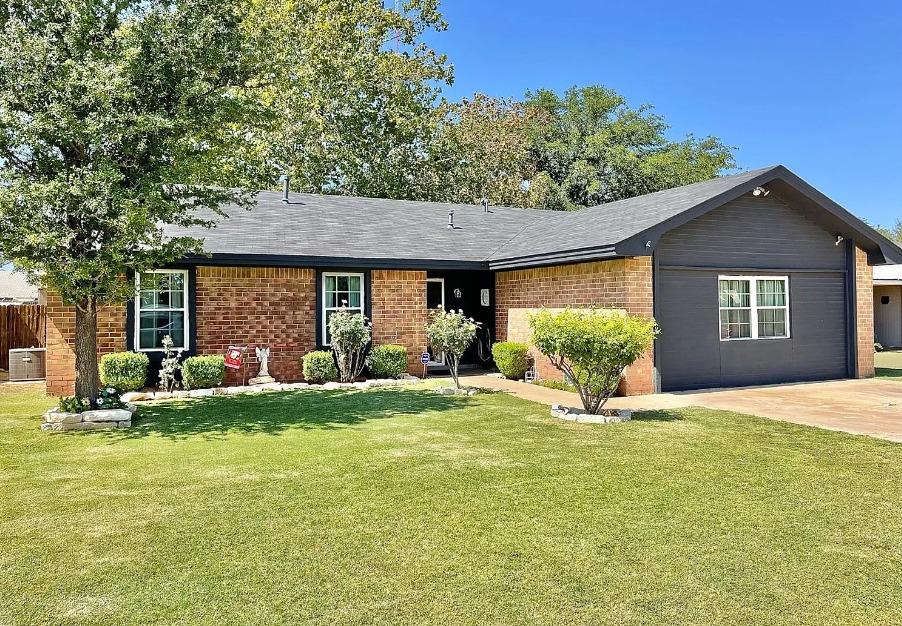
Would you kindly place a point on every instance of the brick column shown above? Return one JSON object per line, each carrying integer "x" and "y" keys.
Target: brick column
{"x": 399, "y": 312}
{"x": 61, "y": 340}
{"x": 864, "y": 307}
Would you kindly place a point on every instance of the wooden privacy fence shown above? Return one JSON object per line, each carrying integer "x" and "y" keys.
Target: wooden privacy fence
{"x": 21, "y": 326}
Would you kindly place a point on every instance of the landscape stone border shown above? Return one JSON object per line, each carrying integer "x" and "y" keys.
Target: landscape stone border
{"x": 59, "y": 421}
{"x": 607, "y": 416}
{"x": 454, "y": 391}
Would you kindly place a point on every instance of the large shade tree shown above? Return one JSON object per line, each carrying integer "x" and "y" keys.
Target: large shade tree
{"x": 107, "y": 110}
{"x": 353, "y": 90}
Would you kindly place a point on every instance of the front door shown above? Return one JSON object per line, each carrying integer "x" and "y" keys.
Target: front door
{"x": 435, "y": 299}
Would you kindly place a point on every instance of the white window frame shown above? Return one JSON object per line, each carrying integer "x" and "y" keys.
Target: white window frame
{"x": 753, "y": 309}
{"x": 324, "y": 308}
{"x": 183, "y": 309}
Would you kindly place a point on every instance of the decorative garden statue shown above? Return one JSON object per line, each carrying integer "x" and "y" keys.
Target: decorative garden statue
{"x": 263, "y": 376}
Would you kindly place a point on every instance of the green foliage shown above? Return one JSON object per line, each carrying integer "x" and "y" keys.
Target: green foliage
{"x": 108, "y": 398}
{"x": 203, "y": 372}
{"x": 451, "y": 333}
{"x": 511, "y": 358}
{"x": 592, "y": 348}
{"x": 560, "y": 385}
{"x": 387, "y": 361}
{"x": 349, "y": 91}
{"x": 894, "y": 233}
{"x": 350, "y": 335}
{"x": 319, "y": 367}
{"x": 124, "y": 371}
{"x": 73, "y": 404}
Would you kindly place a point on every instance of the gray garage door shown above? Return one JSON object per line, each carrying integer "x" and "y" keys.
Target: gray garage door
{"x": 692, "y": 356}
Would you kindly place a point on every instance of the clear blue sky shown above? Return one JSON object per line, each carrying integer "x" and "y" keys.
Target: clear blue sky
{"x": 816, "y": 86}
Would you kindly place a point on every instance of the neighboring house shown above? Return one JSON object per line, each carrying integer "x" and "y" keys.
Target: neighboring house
{"x": 15, "y": 289}
{"x": 888, "y": 306}
{"x": 754, "y": 278}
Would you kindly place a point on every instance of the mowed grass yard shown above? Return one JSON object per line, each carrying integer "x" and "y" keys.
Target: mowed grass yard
{"x": 405, "y": 507}
{"x": 889, "y": 364}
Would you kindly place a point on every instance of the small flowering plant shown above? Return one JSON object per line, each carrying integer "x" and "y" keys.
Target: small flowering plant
{"x": 73, "y": 404}
{"x": 451, "y": 332}
{"x": 108, "y": 398}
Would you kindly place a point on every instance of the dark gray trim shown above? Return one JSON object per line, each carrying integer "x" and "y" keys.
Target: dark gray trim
{"x": 655, "y": 286}
{"x": 557, "y": 258}
{"x": 851, "y": 311}
{"x": 763, "y": 270}
{"x": 339, "y": 263}
{"x": 367, "y": 297}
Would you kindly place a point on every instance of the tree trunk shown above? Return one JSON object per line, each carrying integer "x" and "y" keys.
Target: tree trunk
{"x": 87, "y": 379}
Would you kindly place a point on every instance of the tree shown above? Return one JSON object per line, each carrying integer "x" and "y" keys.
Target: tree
{"x": 351, "y": 90}
{"x": 451, "y": 333}
{"x": 594, "y": 148}
{"x": 107, "y": 110}
{"x": 894, "y": 233}
{"x": 481, "y": 149}
{"x": 592, "y": 349}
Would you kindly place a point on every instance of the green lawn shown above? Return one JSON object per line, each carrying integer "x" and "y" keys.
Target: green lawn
{"x": 404, "y": 507}
{"x": 889, "y": 364}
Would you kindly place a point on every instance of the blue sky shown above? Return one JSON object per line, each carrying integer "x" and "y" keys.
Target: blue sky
{"x": 816, "y": 86}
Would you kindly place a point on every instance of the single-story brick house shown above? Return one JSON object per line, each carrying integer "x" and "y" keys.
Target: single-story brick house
{"x": 754, "y": 278}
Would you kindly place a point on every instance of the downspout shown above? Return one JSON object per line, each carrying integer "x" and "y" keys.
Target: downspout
{"x": 851, "y": 311}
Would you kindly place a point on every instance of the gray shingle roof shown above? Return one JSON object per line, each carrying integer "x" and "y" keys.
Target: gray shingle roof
{"x": 331, "y": 230}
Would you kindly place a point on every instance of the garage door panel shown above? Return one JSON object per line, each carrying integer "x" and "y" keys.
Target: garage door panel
{"x": 685, "y": 352}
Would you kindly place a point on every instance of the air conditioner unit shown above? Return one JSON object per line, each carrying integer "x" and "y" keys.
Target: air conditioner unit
{"x": 27, "y": 364}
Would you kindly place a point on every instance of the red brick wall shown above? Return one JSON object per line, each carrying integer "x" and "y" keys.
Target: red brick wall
{"x": 864, "y": 302}
{"x": 61, "y": 340}
{"x": 620, "y": 283}
{"x": 253, "y": 306}
{"x": 399, "y": 312}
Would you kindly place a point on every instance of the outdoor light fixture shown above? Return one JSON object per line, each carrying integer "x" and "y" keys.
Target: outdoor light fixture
{"x": 839, "y": 240}
{"x": 760, "y": 191}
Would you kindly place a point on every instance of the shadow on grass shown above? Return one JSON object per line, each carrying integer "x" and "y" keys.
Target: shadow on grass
{"x": 660, "y": 415}
{"x": 887, "y": 372}
{"x": 272, "y": 413}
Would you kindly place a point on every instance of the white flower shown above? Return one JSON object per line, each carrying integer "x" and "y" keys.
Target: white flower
{"x": 99, "y": 401}
{"x": 110, "y": 390}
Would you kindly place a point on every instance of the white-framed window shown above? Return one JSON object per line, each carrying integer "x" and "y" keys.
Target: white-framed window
{"x": 753, "y": 307}
{"x": 341, "y": 290}
{"x": 161, "y": 308}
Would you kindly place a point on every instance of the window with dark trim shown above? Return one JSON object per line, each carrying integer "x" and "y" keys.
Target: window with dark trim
{"x": 161, "y": 308}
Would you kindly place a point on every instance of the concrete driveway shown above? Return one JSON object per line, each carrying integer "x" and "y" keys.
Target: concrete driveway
{"x": 863, "y": 407}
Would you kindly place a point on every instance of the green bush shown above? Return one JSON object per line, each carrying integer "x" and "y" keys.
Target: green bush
{"x": 203, "y": 372}
{"x": 451, "y": 333}
{"x": 124, "y": 371}
{"x": 511, "y": 358}
{"x": 560, "y": 385}
{"x": 388, "y": 361}
{"x": 319, "y": 367}
{"x": 592, "y": 348}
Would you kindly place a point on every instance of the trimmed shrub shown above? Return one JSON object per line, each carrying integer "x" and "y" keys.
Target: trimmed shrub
{"x": 388, "y": 361}
{"x": 592, "y": 348}
{"x": 124, "y": 371}
{"x": 319, "y": 367}
{"x": 203, "y": 372}
{"x": 350, "y": 333}
{"x": 511, "y": 358}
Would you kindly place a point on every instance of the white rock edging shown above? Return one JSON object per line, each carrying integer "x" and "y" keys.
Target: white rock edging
{"x": 607, "y": 416}
{"x": 60, "y": 421}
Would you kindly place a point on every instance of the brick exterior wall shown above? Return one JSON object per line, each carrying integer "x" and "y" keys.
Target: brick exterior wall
{"x": 864, "y": 305}
{"x": 256, "y": 306}
{"x": 61, "y": 340}
{"x": 620, "y": 283}
{"x": 399, "y": 312}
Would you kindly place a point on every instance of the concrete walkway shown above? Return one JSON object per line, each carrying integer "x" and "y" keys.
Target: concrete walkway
{"x": 863, "y": 407}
